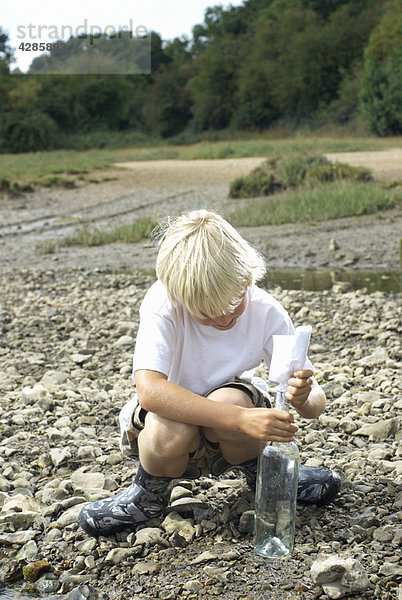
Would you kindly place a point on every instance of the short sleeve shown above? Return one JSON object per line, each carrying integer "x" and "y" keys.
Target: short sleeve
{"x": 154, "y": 345}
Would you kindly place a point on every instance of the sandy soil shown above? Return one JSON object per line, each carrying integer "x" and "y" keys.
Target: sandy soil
{"x": 30, "y": 225}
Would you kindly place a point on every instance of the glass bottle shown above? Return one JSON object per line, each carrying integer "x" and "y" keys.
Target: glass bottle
{"x": 276, "y": 495}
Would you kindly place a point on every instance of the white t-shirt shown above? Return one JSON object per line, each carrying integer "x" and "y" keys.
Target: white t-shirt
{"x": 199, "y": 357}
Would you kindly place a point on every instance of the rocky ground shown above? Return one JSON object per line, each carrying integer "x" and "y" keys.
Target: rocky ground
{"x": 68, "y": 332}
{"x": 67, "y": 340}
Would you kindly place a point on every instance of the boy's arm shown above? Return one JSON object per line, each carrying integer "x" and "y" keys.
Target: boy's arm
{"x": 305, "y": 394}
{"x": 158, "y": 395}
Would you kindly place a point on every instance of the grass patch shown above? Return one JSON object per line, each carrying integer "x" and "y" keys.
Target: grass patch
{"x": 292, "y": 171}
{"x": 31, "y": 169}
{"x": 46, "y": 248}
{"x": 323, "y": 202}
{"x": 135, "y": 232}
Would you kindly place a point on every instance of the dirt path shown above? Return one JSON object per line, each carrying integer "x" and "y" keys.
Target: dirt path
{"x": 31, "y": 226}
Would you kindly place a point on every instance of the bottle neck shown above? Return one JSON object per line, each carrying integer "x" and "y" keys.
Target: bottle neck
{"x": 280, "y": 400}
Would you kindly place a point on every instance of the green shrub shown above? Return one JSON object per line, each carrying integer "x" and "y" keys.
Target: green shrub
{"x": 260, "y": 182}
{"x": 129, "y": 234}
{"x": 292, "y": 172}
{"x": 332, "y": 200}
{"x": 27, "y": 132}
{"x": 334, "y": 171}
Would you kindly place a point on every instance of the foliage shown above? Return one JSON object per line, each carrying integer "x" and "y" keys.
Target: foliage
{"x": 264, "y": 64}
{"x": 167, "y": 106}
{"x": 27, "y": 132}
{"x": 321, "y": 203}
{"x": 6, "y": 52}
{"x": 132, "y": 233}
{"x": 293, "y": 171}
{"x": 381, "y": 93}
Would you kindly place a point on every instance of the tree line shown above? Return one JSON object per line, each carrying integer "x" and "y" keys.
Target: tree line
{"x": 266, "y": 62}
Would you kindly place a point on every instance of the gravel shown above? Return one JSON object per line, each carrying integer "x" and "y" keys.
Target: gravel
{"x": 66, "y": 351}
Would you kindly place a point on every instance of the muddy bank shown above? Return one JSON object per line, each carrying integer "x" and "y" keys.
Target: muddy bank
{"x": 32, "y": 226}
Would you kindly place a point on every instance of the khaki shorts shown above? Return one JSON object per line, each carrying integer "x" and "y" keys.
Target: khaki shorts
{"x": 207, "y": 451}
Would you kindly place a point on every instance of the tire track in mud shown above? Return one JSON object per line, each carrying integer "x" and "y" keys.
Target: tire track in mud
{"x": 46, "y": 227}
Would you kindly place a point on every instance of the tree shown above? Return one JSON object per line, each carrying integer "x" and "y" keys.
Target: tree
{"x": 168, "y": 104}
{"x": 381, "y": 94}
{"x": 213, "y": 88}
{"x": 6, "y": 52}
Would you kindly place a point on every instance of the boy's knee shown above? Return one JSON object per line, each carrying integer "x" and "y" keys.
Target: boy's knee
{"x": 231, "y": 395}
{"x": 168, "y": 438}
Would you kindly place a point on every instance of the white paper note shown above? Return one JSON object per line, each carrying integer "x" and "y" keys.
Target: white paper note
{"x": 289, "y": 355}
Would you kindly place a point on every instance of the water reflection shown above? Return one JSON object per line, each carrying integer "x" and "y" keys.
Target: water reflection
{"x": 318, "y": 281}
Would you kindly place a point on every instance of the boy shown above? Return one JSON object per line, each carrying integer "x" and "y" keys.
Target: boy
{"x": 204, "y": 327}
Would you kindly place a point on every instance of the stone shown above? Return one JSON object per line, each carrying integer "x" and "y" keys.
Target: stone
{"x": 381, "y": 430}
{"x": 150, "y": 536}
{"x": 383, "y": 534}
{"x": 179, "y": 492}
{"x": 391, "y": 569}
{"x": 148, "y": 567}
{"x": 174, "y": 523}
{"x": 246, "y": 522}
{"x": 69, "y": 516}
{"x": 376, "y": 358}
{"x": 124, "y": 340}
{"x": 329, "y": 421}
{"x": 60, "y": 456}
{"x": 204, "y": 557}
{"x": 339, "y": 577}
{"x": 18, "y": 520}
{"x": 54, "y": 378}
{"x": 193, "y": 586}
{"x": 32, "y": 571}
{"x": 188, "y": 504}
{"x": 125, "y": 327}
{"x": 87, "y": 480}
{"x": 118, "y": 555}
{"x": 80, "y": 359}
{"x": 30, "y": 395}
{"x": 28, "y": 552}
{"x": 19, "y": 537}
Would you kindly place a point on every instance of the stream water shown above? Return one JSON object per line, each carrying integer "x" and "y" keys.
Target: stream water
{"x": 318, "y": 281}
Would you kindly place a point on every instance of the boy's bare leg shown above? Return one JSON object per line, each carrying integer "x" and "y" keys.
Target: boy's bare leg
{"x": 236, "y": 447}
{"x": 164, "y": 445}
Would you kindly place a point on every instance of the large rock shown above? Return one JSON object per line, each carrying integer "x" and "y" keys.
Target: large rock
{"x": 339, "y": 577}
{"x": 379, "y": 431}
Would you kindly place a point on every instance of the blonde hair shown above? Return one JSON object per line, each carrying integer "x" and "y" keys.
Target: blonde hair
{"x": 205, "y": 264}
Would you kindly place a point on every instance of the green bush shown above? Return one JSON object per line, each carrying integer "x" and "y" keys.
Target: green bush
{"x": 332, "y": 200}
{"x": 27, "y": 132}
{"x": 292, "y": 172}
{"x": 260, "y": 182}
{"x": 129, "y": 234}
{"x": 325, "y": 173}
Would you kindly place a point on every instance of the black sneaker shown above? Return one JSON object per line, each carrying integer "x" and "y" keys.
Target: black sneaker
{"x": 145, "y": 499}
{"x": 316, "y": 485}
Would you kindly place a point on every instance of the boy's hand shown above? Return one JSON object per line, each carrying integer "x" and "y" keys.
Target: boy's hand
{"x": 268, "y": 424}
{"x": 299, "y": 388}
